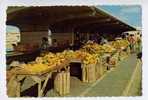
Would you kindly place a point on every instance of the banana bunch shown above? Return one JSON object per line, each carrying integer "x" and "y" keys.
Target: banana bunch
{"x": 54, "y": 59}
{"x": 108, "y": 48}
{"x": 93, "y": 48}
{"x": 34, "y": 68}
{"x": 119, "y": 44}
{"x": 68, "y": 54}
{"x": 90, "y": 59}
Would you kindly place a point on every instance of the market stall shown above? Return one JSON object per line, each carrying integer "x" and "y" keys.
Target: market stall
{"x": 78, "y": 26}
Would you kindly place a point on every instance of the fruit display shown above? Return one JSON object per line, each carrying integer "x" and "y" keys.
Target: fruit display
{"x": 42, "y": 64}
{"x": 95, "y": 48}
{"x": 108, "y": 48}
{"x": 112, "y": 61}
{"x": 79, "y": 54}
{"x": 123, "y": 55}
{"x": 52, "y": 59}
{"x": 90, "y": 59}
{"x": 90, "y": 53}
{"x": 34, "y": 68}
{"x": 68, "y": 54}
{"x": 118, "y": 44}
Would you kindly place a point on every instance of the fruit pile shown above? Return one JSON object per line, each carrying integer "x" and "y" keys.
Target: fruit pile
{"x": 90, "y": 53}
{"x": 44, "y": 63}
{"x": 68, "y": 54}
{"x": 90, "y": 59}
{"x": 94, "y": 48}
{"x": 34, "y": 68}
{"x": 108, "y": 48}
{"x": 118, "y": 44}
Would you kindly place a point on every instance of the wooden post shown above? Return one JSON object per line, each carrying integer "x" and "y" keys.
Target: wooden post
{"x": 38, "y": 80}
{"x": 45, "y": 83}
{"x": 39, "y": 88}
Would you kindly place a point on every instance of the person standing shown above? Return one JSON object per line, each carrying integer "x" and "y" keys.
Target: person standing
{"x": 44, "y": 45}
{"x": 103, "y": 40}
{"x": 55, "y": 43}
{"x": 132, "y": 43}
{"x": 139, "y": 43}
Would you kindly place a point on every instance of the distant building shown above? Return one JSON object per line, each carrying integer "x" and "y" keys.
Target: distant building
{"x": 12, "y": 38}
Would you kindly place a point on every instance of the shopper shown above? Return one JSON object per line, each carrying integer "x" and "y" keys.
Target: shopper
{"x": 132, "y": 43}
{"x": 139, "y": 43}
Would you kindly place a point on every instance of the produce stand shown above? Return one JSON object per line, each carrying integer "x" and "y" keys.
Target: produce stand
{"x": 93, "y": 66}
{"x": 95, "y": 54}
{"x": 37, "y": 77}
{"x": 89, "y": 72}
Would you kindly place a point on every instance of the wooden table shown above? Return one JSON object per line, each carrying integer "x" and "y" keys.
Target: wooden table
{"x": 37, "y": 77}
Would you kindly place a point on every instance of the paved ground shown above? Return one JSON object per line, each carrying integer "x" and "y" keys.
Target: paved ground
{"x": 135, "y": 88}
{"x": 113, "y": 83}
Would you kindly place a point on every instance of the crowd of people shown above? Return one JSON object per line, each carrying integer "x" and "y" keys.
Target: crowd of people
{"x": 135, "y": 43}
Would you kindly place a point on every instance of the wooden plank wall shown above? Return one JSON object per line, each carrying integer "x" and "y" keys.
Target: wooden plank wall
{"x": 36, "y": 37}
{"x": 62, "y": 37}
{"x": 33, "y": 37}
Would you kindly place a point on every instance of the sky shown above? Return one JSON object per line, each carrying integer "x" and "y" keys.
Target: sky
{"x": 131, "y": 15}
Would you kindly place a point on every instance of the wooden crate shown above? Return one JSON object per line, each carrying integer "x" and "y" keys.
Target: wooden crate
{"x": 62, "y": 83}
{"x": 11, "y": 87}
{"x": 97, "y": 70}
{"x": 89, "y": 73}
{"x": 102, "y": 68}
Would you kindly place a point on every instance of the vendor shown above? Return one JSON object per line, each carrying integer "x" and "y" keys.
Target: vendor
{"x": 98, "y": 38}
{"x": 103, "y": 40}
{"x": 44, "y": 45}
{"x": 55, "y": 43}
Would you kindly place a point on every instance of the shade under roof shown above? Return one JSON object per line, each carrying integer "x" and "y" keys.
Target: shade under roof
{"x": 65, "y": 19}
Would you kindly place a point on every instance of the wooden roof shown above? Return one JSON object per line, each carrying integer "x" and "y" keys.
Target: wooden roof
{"x": 64, "y": 19}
